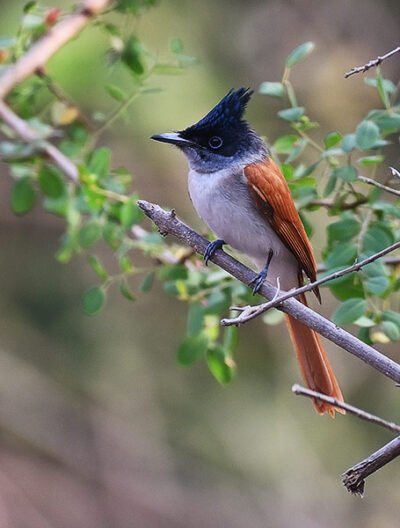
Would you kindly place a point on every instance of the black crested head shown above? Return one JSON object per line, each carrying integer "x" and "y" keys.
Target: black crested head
{"x": 223, "y": 129}
{"x": 228, "y": 112}
{"x": 222, "y": 138}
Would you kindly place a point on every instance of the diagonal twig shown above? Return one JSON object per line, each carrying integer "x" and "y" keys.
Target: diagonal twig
{"x": 372, "y": 63}
{"x": 363, "y": 415}
{"x": 354, "y": 477}
{"x": 168, "y": 223}
{"x": 370, "y": 181}
{"x": 39, "y": 54}
{"x": 250, "y": 312}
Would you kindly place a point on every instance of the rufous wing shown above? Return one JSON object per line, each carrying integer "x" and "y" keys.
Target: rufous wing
{"x": 273, "y": 199}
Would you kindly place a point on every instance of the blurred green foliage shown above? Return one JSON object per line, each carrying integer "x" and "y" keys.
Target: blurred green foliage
{"x": 102, "y": 206}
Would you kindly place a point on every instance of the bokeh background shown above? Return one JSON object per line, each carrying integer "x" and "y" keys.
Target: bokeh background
{"x": 99, "y": 426}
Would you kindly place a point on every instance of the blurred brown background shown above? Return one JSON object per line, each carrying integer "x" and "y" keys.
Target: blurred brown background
{"x": 99, "y": 427}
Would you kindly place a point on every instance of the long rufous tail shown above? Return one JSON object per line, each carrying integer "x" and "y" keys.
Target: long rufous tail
{"x": 314, "y": 363}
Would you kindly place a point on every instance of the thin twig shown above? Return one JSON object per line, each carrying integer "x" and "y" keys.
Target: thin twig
{"x": 363, "y": 415}
{"x": 250, "y": 312}
{"x": 372, "y": 63}
{"x": 39, "y": 54}
{"x": 370, "y": 181}
{"x": 168, "y": 223}
{"x": 27, "y": 134}
{"x": 331, "y": 204}
{"x": 389, "y": 261}
{"x": 354, "y": 477}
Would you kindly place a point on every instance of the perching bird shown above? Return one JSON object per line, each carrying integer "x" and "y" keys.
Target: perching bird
{"x": 241, "y": 194}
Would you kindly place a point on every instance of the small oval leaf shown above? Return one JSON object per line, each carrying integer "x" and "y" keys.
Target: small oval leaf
{"x": 299, "y": 54}
{"x": 23, "y": 196}
{"x": 93, "y": 300}
{"x": 349, "y": 311}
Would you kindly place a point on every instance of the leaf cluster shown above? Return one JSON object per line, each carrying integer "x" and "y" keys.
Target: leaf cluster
{"x": 100, "y": 207}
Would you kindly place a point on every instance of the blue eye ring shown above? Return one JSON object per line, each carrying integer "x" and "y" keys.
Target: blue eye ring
{"x": 215, "y": 142}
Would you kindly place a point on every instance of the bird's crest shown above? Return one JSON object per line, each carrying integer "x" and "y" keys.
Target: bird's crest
{"x": 228, "y": 112}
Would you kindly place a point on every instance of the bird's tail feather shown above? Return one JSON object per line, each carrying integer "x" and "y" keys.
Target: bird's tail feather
{"x": 314, "y": 363}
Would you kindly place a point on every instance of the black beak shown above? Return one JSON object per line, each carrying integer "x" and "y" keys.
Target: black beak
{"x": 173, "y": 138}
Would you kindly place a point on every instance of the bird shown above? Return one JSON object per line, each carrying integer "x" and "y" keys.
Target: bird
{"x": 240, "y": 193}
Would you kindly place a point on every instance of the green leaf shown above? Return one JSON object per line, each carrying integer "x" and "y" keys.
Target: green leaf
{"x": 113, "y": 235}
{"x": 231, "y": 336}
{"x": 23, "y": 196}
{"x": 299, "y": 54}
{"x": 349, "y": 311}
{"x": 97, "y": 267}
{"x": 347, "y": 173}
{"x": 173, "y": 272}
{"x": 367, "y": 161}
{"x": 367, "y": 134}
{"x": 132, "y": 55}
{"x": 273, "y": 89}
{"x": 217, "y": 303}
{"x": 343, "y": 253}
{"x": 51, "y": 182}
{"x": 147, "y": 282}
{"x": 116, "y": 93}
{"x": 29, "y": 6}
{"x": 349, "y": 142}
{"x": 291, "y": 114}
{"x": 93, "y": 300}
{"x": 391, "y": 330}
{"x": 346, "y": 287}
{"x": 394, "y": 317}
{"x": 195, "y": 317}
{"x": 284, "y": 144}
{"x": 332, "y": 139}
{"x": 221, "y": 366}
{"x": 377, "y": 285}
{"x": 99, "y": 163}
{"x": 130, "y": 214}
{"x": 344, "y": 229}
{"x": 90, "y": 233}
{"x": 192, "y": 348}
{"x": 376, "y": 238}
{"x": 125, "y": 291}
{"x": 126, "y": 264}
{"x": 388, "y": 121}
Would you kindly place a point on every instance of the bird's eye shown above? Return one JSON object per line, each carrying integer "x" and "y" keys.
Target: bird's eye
{"x": 215, "y": 142}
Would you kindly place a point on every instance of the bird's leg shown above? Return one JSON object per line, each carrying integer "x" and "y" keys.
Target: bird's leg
{"x": 211, "y": 249}
{"x": 258, "y": 281}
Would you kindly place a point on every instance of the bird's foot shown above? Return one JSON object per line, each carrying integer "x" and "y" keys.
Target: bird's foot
{"x": 211, "y": 249}
{"x": 259, "y": 279}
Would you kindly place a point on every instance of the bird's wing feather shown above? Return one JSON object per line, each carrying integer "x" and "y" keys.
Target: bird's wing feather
{"x": 273, "y": 199}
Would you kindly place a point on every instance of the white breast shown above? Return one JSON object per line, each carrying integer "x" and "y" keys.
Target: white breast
{"x": 224, "y": 203}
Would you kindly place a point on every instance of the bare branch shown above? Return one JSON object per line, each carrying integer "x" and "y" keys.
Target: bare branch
{"x": 27, "y": 134}
{"x": 354, "y": 477}
{"x": 372, "y": 63}
{"x": 369, "y": 181}
{"x": 39, "y": 54}
{"x": 250, "y": 312}
{"x": 168, "y": 223}
{"x": 363, "y": 415}
{"x": 389, "y": 261}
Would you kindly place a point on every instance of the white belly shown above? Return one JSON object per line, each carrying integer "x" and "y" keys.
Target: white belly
{"x": 224, "y": 203}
